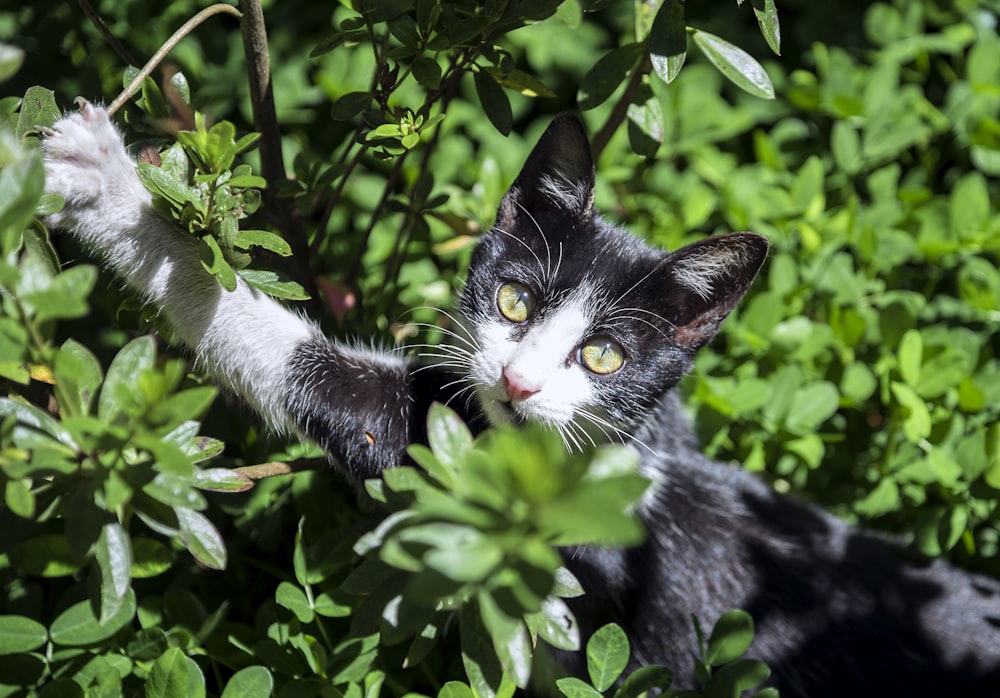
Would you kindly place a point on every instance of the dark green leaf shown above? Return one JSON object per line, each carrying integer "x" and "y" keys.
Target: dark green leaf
{"x": 174, "y": 675}
{"x": 295, "y": 600}
{"x": 607, "y": 74}
{"x": 44, "y": 556}
{"x": 668, "y": 40}
{"x": 645, "y": 679}
{"x": 494, "y": 101}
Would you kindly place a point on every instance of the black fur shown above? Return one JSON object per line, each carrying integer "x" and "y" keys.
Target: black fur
{"x": 838, "y": 611}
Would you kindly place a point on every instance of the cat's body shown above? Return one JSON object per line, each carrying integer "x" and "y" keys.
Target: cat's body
{"x": 568, "y": 320}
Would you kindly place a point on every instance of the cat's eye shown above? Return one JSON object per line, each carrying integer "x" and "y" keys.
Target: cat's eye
{"x": 515, "y": 301}
{"x": 602, "y": 355}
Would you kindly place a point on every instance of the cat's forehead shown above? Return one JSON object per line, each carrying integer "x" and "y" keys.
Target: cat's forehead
{"x": 592, "y": 257}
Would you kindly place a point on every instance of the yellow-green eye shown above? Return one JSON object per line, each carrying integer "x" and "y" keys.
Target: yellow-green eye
{"x": 602, "y": 355}
{"x": 515, "y": 301}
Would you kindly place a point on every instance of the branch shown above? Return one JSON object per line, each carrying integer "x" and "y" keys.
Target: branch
{"x": 281, "y": 212}
{"x": 620, "y": 110}
{"x": 275, "y": 468}
{"x": 167, "y": 47}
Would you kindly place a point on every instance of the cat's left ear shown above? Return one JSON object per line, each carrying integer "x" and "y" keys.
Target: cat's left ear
{"x": 558, "y": 174}
{"x": 706, "y": 280}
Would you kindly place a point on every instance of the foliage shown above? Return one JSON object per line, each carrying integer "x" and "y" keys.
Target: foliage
{"x": 862, "y": 371}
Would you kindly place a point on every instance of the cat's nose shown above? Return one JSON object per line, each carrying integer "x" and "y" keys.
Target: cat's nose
{"x": 517, "y": 387}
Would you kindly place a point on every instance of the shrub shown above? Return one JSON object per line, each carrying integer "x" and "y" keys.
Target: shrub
{"x": 140, "y": 555}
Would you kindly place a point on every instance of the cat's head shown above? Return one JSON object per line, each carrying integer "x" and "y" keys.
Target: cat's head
{"x": 575, "y": 322}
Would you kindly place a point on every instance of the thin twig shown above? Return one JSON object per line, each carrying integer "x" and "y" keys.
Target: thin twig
{"x": 167, "y": 47}
{"x": 281, "y": 211}
{"x": 620, "y": 110}
{"x": 275, "y": 468}
{"x": 110, "y": 38}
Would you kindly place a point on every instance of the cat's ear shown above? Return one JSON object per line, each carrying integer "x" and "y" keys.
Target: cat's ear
{"x": 705, "y": 281}
{"x": 558, "y": 174}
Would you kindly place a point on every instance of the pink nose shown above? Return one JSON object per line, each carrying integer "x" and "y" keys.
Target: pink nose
{"x": 517, "y": 387}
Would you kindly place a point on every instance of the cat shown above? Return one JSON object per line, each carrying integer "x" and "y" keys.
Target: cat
{"x": 569, "y": 320}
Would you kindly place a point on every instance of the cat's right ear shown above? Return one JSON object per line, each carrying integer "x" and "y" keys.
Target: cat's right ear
{"x": 558, "y": 174}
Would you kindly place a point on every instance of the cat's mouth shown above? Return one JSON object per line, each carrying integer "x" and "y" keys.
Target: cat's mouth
{"x": 515, "y": 417}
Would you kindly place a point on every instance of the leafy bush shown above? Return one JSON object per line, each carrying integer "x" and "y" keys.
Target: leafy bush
{"x": 861, "y": 372}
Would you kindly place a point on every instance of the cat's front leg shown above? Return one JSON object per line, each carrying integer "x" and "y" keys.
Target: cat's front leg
{"x": 361, "y": 406}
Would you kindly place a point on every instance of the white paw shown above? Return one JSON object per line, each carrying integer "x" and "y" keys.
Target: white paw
{"x": 86, "y": 163}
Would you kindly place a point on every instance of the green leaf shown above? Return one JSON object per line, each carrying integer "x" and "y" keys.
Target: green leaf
{"x": 910, "y": 357}
{"x": 78, "y": 627}
{"x": 735, "y": 63}
{"x": 150, "y": 558}
{"x": 573, "y": 687}
{"x": 222, "y": 480}
{"x": 11, "y": 58}
{"x": 262, "y": 238}
{"x": 767, "y": 18}
{"x": 668, "y": 40}
{"x": 733, "y": 679}
{"x": 22, "y": 180}
{"x": 607, "y": 655}
{"x": 135, "y": 358}
{"x": 427, "y": 72}
{"x": 450, "y": 439}
{"x": 65, "y": 296}
{"x": 274, "y": 284}
{"x": 113, "y": 554}
{"x": 251, "y": 682}
{"x": 812, "y": 405}
{"x": 495, "y": 103}
{"x": 201, "y": 538}
{"x": 148, "y": 644}
{"x": 295, "y": 600}
{"x": 19, "y": 634}
{"x": 730, "y": 638}
{"x": 46, "y": 555}
{"x": 174, "y": 675}
{"x": 510, "y": 639}
{"x": 164, "y": 184}
{"x": 478, "y": 654}
{"x": 645, "y": 679}
{"x": 608, "y": 73}
{"x": 215, "y": 263}
{"x": 556, "y": 624}
{"x": 78, "y": 376}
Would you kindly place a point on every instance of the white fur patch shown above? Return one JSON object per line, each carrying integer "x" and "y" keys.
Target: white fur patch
{"x": 699, "y": 271}
{"x": 543, "y": 361}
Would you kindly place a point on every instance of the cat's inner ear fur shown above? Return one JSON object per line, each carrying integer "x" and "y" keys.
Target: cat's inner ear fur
{"x": 558, "y": 174}
{"x": 704, "y": 282}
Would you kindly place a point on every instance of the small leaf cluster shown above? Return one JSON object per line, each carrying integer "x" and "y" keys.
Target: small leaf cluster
{"x": 659, "y": 45}
{"x": 472, "y": 535}
{"x": 198, "y": 183}
{"x": 720, "y": 668}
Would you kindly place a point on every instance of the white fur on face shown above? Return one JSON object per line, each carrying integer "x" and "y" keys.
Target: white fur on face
{"x": 543, "y": 360}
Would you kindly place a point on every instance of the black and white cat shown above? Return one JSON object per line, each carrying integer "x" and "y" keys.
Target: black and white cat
{"x": 573, "y": 322}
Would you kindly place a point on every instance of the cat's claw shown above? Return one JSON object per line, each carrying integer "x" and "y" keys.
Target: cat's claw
{"x": 86, "y": 163}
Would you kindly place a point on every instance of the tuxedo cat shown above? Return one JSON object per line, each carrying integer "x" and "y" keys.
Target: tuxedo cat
{"x": 569, "y": 320}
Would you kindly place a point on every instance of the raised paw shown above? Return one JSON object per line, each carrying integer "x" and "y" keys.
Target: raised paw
{"x": 86, "y": 163}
